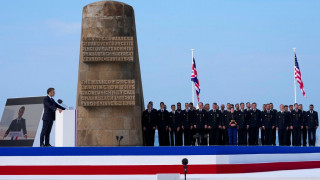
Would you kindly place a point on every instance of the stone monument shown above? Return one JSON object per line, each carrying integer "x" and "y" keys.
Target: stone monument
{"x": 109, "y": 96}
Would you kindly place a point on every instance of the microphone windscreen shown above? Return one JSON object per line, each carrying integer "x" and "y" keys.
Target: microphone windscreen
{"x": 60, "y": 101}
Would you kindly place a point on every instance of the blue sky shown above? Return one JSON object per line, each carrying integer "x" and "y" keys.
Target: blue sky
{"x": 243, "y": 49}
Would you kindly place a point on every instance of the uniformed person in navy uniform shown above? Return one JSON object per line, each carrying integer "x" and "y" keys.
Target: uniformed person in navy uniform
{"x": 223, "y": 134}
{"x": 268, "y": 124}
{"x": 200, "y": 123}
{"x": 213, "y": 125}
{"x": 192, "y": 115}
{"x": 247, "y": 110}
{"x": 289, "y": 132}
{"x": 187, "y": 124}
{"x": 312, "y": 125}
{"x": 296, "y": 124}
{"x": 304, "y": 131}
{"x": 149, "y": 119}
{"x": 242, "y": 119}
{"x": 163, "y": 126}
{"x": 282, "y": 124}
{"x": 274, "y": 131}
{"x": 261, "y": 129}
{"x": 254, "y": 125}
{"x": 175, "y": 127}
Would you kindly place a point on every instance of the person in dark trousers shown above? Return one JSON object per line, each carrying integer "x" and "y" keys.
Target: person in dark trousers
{"x": 18, "y": 124}
{"x": 175, "y": 127}
{"x": 200, "y": 123}
{"x": 49, "y": 115}
{"x": 242, "y": 120}
{"x": 274, "y": 131}
{"x": 289, "y": 132}
{"x": 254, "y": 125}
{"x": 232, "y": 126}
{"x": 262, "y": 131}
{"x": 187, "y": 124}
{"x": 296, "y": 125}
{"x": 213, "y": 125}
{"x": 304, "y": 131}
{"x": 149, "y": 125}
{"x": 312, "y": 125}
{"x": 282, "y": 124}
{"x": 193, "y": 116}
{"x": 163, "y": 126}
{"x": 268, "y": 124}
{"x": 223, "y": 137}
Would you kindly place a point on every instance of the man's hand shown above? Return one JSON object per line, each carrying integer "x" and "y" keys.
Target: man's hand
{"x": 144, "y": 128}
{"x": 220, "y": 126}
{"x": 60, "y": 110}
{"x": 301, "y": 127}
{"x": 223, "y": 127}
{"x": 209, "y": 127}
{"x": 287, "y": 128}
{"x": 178, "y": 129}
{"x": 307, "y": 127}
{"x": 170, "y": 129}
{"x": 277, "y": 128}
{"x": 272, "y": 127}
{"x": 182, "y": 127}
{"x": 154, "y": 128}
{"x": 247, "y": 126}
{"x": 195, "y": 126}
{"x": 205, "y": 126}
{"x": 291, "y": 127}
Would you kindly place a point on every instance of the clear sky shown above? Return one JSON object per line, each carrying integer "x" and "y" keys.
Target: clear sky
{"x": 243, "y": 49}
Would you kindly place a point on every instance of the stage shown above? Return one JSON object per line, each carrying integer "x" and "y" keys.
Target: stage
{"x": 150, "y": 161}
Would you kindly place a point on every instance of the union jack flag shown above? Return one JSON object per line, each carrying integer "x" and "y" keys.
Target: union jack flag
{"x": 297, "y": 75}
{"x": 194, "y": 78}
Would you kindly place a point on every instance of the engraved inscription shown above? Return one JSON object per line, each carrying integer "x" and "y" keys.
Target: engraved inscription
{"x": 107, "y": 49}
{"x": 107, "y": 93}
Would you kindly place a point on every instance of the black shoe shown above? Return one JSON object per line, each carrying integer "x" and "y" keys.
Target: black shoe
{"x": 42, "y": 145}
{"x": 49, "y": 145}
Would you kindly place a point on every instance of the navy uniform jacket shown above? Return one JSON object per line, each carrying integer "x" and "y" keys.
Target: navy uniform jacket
{"x": 201, "y": 118}
{"x": 312, "y": 119}
{"x": 255, "y": 118}
{"x": 242, "y": 119}
{"x": 50, "y": 107}
{"x": 231, "y": 119}
{"x": 163, "y": 119}
{"x": 296, "y": 119}
{"x": 214, "y": 119}
{"x": 282, "y": 120}
{"x": 304, "y": 114}
{"x": 186, "y": 119}
{"x": 223, "y": 117}
{"x": 268, "y": 119}
{"x": 17, "y": 126}
{"x": 175, "y": 121}
{"x": 149, "y": 119}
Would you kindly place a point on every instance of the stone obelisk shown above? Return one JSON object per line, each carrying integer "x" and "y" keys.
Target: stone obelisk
{"x": 109, "y": 95}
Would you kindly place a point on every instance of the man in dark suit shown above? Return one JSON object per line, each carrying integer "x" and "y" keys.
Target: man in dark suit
{"x": 274, "y": 131}
{"x": 187, "y": 124}
{"x": 282, "y": 124}
{"x": 163, "y": 126}
{"x": 200, "y": 123}
{"x": 268, "y": 124}
{"x": 49, "y": 115}
{"x": 296, "y": 125}
{"x": 312, "y": 125}
{"x": 304, "y": 131}
{"x": 18, "y": 124}
{"x": 254, "y": 125}
{"x": 149, "y": 125}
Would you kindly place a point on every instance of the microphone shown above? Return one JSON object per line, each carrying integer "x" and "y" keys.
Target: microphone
{"x": 185, "y": 163}
{"x": 61, "y": 102}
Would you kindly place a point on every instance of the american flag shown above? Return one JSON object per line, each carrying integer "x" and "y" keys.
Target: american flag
{"x": 194, "y": 78}
{"x": 297, "y": 75}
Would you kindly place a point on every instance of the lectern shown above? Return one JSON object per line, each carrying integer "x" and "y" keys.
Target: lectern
{"x": 65, "y": 130}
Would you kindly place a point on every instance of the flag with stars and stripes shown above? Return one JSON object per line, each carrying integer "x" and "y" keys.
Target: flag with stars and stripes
{"x": 297, "y": 75}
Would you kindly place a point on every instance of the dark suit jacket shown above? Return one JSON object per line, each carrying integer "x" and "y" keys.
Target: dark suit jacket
{"x": 15, "y": 126}
{"x": 50, "y": 107}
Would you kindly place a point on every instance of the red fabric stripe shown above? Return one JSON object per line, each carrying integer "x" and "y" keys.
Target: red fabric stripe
{"x": 155, "y": 169}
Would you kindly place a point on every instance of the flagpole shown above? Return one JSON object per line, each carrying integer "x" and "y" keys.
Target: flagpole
{"x": 192, "y": 83}
{"x": 294, "y": 79}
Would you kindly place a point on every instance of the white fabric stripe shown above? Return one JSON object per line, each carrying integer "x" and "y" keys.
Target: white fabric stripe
{"x": 156, "y": 160}
{"x": 105, "y": 160}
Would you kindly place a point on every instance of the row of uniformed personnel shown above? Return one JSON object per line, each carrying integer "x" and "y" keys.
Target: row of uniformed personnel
{"x": 228, "y": 127}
